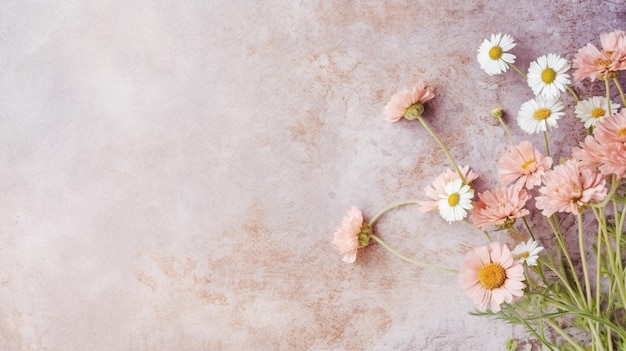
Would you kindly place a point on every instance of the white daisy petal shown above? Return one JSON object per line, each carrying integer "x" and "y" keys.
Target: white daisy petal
{"x": 527, "y": 252}
{"x": 539, "y": 114}
{"x": 493, "y": 56}
{"x": 593, "y": 109}
{"x": 456, "y": 201}
{"x": 547, "y": 76}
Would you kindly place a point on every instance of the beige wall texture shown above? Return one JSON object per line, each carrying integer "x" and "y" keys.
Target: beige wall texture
{"x": 172, "y": 171}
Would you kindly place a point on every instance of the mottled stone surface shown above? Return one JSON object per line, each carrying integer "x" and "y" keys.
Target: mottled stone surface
{"x": 172, "y": 171}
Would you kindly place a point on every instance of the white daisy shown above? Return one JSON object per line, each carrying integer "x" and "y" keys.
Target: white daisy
{"x": 539, "y": 114}
{"x": 456, "y": 201}
{"x": 591, "y": 110}
{"x": 493, "y": 56}
{"x": 527, "y": 252}
{"x": 547, "y": 75}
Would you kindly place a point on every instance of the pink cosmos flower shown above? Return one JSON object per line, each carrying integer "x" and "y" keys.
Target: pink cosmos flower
{"x": 592, "y": 63}
{"x": 524, "y": 165}
{"x": 499, "y": 207}
{"x": 346, "y": 239}
{"x": 439, "y": 187}
{"x": 400, "y": 102}
{"x": 569, "y": 187}
{"x": 490, "y": 276}
{"x": 606, "y": 149}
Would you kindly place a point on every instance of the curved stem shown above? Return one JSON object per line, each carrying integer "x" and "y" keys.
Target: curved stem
{"x": 443, "y": 146}
{"x": 506, "y": 129}
{"x": 408, "y": 259}
{"x": 391, "y": 207}
{"x": 621, "y": 92}
{"x": 571, "y": 91}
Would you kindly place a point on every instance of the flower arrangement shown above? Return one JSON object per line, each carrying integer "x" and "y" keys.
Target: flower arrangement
{"x": 571, "y": 296}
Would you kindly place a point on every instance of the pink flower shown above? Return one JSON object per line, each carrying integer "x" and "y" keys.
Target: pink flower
{"x": 490, "y": 276}
{"x": 569, "y": 188}
{"x": 592, "y": 63}
{"x": 347, "y": 234}
{"x": 523, "y": 164}
{"x": 439, "y": 187}
{"x": 408, "y": 103}
{"x": 500, "y": 207}
{"x": 606, "y": 149}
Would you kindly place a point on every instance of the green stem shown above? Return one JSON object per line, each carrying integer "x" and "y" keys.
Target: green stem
{"x": 506, "y": 129}
{"x": 559, "y": 236}
{"x": 518, "y": 70}
{"x": 443, "y": 146}
{"x": 621, "y": 92}
{"x": 566, "y": 336}
{"x": 583, "y": 257}
{"x": 391, "y": 207}
{"x": 545, "y": 140}
{"x": 573, "y": 93}
{"x": 608, "y": 94}
{"x": 408, "y": 259}
{"x": 530, "y": 231}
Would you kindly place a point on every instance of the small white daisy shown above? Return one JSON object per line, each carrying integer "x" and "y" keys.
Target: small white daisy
{"x": 591, "y": 110}
{"x": 547, "y": 75}
{"x": 539, "y": 114}
{"x": 527, "y": 252}
{"x": 493, "y": 56}
{"x": 456, "y": 201}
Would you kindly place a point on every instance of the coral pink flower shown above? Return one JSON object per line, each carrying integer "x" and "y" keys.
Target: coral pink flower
{"x": 569, "y": 187}
{"x": 346, "y": 239}
{"x": 490, "y": 276}
{"x": 408, "y": 103}
{"x": 592, "y": 63}
{"x": 606, "y": 149}
{"x": 439, "y": 187}
{"x": 524, "y": 165}
{"x": 500, "y": 207}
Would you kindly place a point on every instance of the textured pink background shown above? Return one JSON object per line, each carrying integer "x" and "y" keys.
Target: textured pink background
{"x": 172, "y": 171}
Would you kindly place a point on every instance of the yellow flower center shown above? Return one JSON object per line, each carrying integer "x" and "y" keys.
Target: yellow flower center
{"x": 598, "y": 112}
{"x": 454, "y": 199}
{"x": 527, "y": 163}
{"x": 621, "y": 132}
{"x": 548, "y": 75}
{"x": 524, "y": 254}
{"x": 542, "y": 114}
{"x": 604, "y": 62}
{"x": 495, "y": 52}
{"x": 492, "y": 276}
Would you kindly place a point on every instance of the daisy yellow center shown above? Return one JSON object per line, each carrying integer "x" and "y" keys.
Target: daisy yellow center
{"x": 598, "y": 112}
{"x": 548, "y": 75}
{"x": 495, "y": 53}
{"x": 621, "y": 132}
{"x": 492, "y": 276}
{"x": 454, "y": 199}
{"x": 542, "y": 114}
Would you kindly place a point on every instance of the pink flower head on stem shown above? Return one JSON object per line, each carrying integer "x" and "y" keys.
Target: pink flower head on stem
{"x": 524, "y": 165}
{"x": 500, "y": 207}
{"x": 490, "y": 276}
{"x": 408, "y": 103}
{"x": 606, "y": 148}
{"x": 592, "y": 63}
{"x": 570, "y": 187}
{"x": 352, "y": 234}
